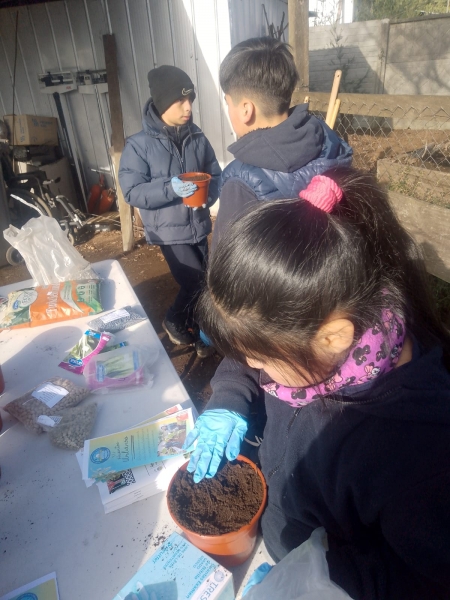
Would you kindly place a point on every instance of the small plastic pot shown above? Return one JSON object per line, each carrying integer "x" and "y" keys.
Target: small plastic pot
{"x": 200, "y": 196}
{"x": 233, "y": 548}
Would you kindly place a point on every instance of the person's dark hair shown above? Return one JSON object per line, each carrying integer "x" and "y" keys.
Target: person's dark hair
{"x": 263, "y": 69}
{"x": 280, "y": 271}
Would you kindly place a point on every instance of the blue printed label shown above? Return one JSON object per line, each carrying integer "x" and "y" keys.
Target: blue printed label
{"x": 100, "y": 372}
{"x": 100, "y": 455}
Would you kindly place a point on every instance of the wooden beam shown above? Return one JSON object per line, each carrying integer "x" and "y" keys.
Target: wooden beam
{"x": 118, "y": 138}
{"x": 299, "y": 40}
{"x": 429, "y": 225}
{"x": 383, "y": 105}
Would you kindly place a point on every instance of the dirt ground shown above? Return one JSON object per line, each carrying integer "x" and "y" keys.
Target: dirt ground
{"x": 155, "y": 287}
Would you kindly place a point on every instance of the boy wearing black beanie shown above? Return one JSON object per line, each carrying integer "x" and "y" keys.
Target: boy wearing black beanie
{"x": 168, "y": 145}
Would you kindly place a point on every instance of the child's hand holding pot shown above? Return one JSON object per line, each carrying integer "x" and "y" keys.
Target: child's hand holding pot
{"x": 184, "y": 189}
{"x": 218, "y": 432}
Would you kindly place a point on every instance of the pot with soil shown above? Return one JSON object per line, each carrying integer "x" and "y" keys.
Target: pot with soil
{"x": 220, "y": 515}
{"x": 200, "y": 196}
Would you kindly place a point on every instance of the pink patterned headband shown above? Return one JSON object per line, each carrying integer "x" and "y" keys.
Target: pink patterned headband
{"x": 322, "y": 192}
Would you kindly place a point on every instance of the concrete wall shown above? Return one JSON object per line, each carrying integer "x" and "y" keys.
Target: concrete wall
{"x": 358, "y": 49}
{"x": 410, "y": 57}
{"x": 418, "y": 60}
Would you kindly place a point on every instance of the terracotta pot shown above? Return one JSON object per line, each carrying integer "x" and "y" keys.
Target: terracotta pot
{"x": 200, "y": 196}
{"x": 229, "y": 549}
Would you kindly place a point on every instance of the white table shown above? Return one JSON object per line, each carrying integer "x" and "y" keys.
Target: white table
{"x": 49, "y": 520}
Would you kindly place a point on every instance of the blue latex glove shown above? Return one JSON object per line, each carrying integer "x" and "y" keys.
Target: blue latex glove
{"x": 218, "y": 432}
{"x": 257, "y": 576}
{"x": 184, "y": 189}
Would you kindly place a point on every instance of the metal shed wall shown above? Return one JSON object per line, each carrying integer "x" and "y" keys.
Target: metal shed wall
{"x": 248, "y": 20}
{"x": 191, "y": 34}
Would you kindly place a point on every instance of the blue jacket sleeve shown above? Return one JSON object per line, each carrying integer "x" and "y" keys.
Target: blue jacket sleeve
{"x": 138, "y": 186}
{"x": 235, "y": 387}
{"x": 213, "y": 168}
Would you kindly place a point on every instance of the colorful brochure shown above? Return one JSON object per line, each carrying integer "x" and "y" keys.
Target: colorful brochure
{"x": 44, "y": 588}
{"x": 178, "y": 569}
{"x": 158, "y": 440}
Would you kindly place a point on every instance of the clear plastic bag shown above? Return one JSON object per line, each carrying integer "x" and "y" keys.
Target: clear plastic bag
{"x": 126, "y": 367}
{"x": 302, "y": 575}
{"x": 47, "y": 252}
{"x": 47, "y": 398}
{"x": 69, "y": 428}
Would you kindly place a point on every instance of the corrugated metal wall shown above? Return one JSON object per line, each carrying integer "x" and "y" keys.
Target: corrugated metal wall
{"x": 248, "y": 19}
{"x": 191, "y": 34}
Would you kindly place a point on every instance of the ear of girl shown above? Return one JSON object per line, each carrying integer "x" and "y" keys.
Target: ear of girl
{"x": 323, "y": 304}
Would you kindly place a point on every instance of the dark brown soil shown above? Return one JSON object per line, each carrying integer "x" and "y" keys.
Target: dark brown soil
{"x": 219, "y": 505}
{"x": 194, "y": 178}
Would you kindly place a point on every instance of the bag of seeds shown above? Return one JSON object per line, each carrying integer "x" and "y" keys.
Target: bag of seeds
{"x": 90, "y": 344}
{"x": 47, "y": 304}
{"x": 126, "y": 367}
{"x": 69, "y": 428}
{"x": 116, "y": 320}
{"x": 52, "y": 395}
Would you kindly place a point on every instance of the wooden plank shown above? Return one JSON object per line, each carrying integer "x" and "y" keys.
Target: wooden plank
{"x": 118, "y": 139}
{"x": 429, "y": 225}
{"x": 383, "y": 105}
{"x": 298, "y": 12}
{"x": 388, "y": 170}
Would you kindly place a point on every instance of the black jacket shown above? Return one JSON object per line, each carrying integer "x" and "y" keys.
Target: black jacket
{"x": 370, "y": 465}
{"x": 149, "y": 161}
{"x": 277, "y": 162}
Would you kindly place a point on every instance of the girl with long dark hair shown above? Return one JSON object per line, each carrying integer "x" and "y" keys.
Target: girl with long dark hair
{"x": 321, "y": 307}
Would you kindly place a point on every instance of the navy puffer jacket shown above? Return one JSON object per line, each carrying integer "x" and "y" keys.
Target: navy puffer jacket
{"x": 149, "y": 160}
{"x": 276, "y": 183}
{"x": 277, "y": 162}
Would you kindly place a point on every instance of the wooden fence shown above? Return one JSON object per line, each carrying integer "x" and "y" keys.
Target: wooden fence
{"x": 405, "y": 140}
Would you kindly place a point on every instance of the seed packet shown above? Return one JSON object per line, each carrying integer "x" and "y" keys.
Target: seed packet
{"x": 126, "y": 367}
{"x": 47, "y": 304}
{"x": 116, "y": 320}
{"x": 109, "y": 348}
{"x": 90, "y": 344}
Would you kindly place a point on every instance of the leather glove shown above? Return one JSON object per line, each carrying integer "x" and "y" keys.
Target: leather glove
{"x": 218, "y": 432}
{"x": 184, "y": 189}
{"x": 257, "y": 576}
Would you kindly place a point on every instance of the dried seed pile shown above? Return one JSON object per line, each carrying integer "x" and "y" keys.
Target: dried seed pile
{"x": 27, "y": 409}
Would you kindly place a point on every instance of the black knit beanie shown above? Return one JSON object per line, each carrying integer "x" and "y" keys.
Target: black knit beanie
{"x": 167, "y": 85}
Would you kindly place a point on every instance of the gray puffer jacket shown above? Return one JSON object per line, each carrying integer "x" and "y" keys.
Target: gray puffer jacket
{"x": 149, "y": 160}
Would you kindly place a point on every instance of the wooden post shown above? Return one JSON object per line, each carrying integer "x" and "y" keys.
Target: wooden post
{"x": 118, "y": 139}
{"x": 299, "y": 41}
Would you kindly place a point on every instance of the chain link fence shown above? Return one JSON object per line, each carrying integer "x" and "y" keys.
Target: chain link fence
{"x": 406, "y": 143}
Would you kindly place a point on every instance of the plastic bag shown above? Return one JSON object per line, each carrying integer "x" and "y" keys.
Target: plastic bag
{"x": 48, "y": 254}
{"x": 302, "y": 575}
{"x": 90, "y": 344}
{"x": 53, "y": 395}
{"x": 49, "y": 304}
{"x": 125, "y": 367}
{"x": 69, "y": 428}
{"x": 116, "y": 320}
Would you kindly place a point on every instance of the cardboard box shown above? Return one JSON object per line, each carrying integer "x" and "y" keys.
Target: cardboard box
{"x": 180, "y": 571}
{"x": 31, "y": 130}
